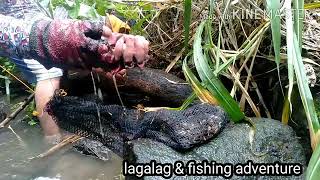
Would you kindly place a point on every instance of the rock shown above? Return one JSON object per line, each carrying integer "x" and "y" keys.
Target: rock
{"x": 93, "y": 148}
{"x": 3, "y": 109}
{"x": 272, "y": 142}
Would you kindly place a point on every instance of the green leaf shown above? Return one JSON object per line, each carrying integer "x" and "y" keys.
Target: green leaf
{"x": 32, "y": 122}
{"x": 313, "y": 171}
{"x": 198, "y": 88}
{"x": 304, "y": 89}
{"x": 187, "y": 21}
{"x": 298, "y": 6}
{"x": 74, "y": 10}
{"x": 103, "y": 5}
{"x": 87, "y": 12}
{"x": 290, "y": 54}
{"x": 212, "y": 6}
{"x": 274, "y": 9}
{"x": 312, "y": 5}
{"x": 67, "y": 3}
{"x": 50, "y": 6}
{"x": 138, "y": 27}
{"x": 207, "y": 76}
{"x": 296, "y": 66}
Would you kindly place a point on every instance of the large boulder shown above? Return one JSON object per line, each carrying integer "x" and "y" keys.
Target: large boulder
{"x": 272, "y": 142}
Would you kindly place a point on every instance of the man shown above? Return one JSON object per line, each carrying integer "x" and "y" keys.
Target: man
{"x": 38, "y": 45}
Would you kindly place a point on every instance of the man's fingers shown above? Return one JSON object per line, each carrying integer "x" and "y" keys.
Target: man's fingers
{"x": 141, "y": 65}
{"x": 146, "y": 45}
{"x": 129, "y": 49}
{"x": 130, "y": 40}
{"x": 128, "y": 56}
{"x": 122, "y": 72}
{"x": 139, "y": 53}
{"x": 127, "y": 46}
{"x": 118, "y": 49}
{"x": 107, "y": 32}
{"x": 140, "y": 50}
{"x": 103, "y": 49}
{"x": 112, "y": 38}
{"x": 108, "y": 58}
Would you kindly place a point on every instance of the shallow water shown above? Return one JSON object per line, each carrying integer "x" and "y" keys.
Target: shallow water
{"x": 17, "y": 151}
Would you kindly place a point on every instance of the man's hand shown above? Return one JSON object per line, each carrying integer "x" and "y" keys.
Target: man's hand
{"x": 133, "y": 49}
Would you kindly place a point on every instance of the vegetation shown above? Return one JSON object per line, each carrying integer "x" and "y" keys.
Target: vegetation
{"x": 238, "y": 54}
{"x": 284, "y": 18}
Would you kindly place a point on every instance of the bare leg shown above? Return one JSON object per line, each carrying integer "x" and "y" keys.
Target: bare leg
{"x": 44, "y": 91}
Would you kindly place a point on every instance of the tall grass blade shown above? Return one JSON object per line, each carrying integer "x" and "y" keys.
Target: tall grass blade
{"x": 313, "y": 170}
{"x": 274, "y": 9}
{"x": 187, "y": 22}
{"x": 286, "y": 112}
{"x": 305, "y": 94}
{"x": 198, "y": 88}
{"x": 312, "y": 5}
{"x": 296, "y": 66}
{"x": 214, "y": 85}
{"x": 212, "y": 6}
{"x": 298, "y": 6}
{"x": 188, "y": 101}
{"x": 290, "y": 34}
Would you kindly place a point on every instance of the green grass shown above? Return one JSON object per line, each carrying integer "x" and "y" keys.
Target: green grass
{"x": 208, "y": 59}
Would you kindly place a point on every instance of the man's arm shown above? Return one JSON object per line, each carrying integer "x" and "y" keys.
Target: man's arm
{"x": 65, "y": 42}
{"x": 81, "y": 44}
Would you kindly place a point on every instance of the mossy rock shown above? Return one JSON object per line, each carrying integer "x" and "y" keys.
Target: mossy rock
{"x": 273, "y": 142}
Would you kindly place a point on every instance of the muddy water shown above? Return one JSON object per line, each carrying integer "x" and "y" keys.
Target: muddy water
{"x": 17, "y": 152}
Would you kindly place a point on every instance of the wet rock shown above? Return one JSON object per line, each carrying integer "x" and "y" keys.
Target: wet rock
{"x": 93, "y": 148}
{"x": 272, "y": 142}
{"x": 3, "y": 107}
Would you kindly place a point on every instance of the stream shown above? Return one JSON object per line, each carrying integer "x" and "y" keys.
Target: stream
{"x": 18, "y": 149}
